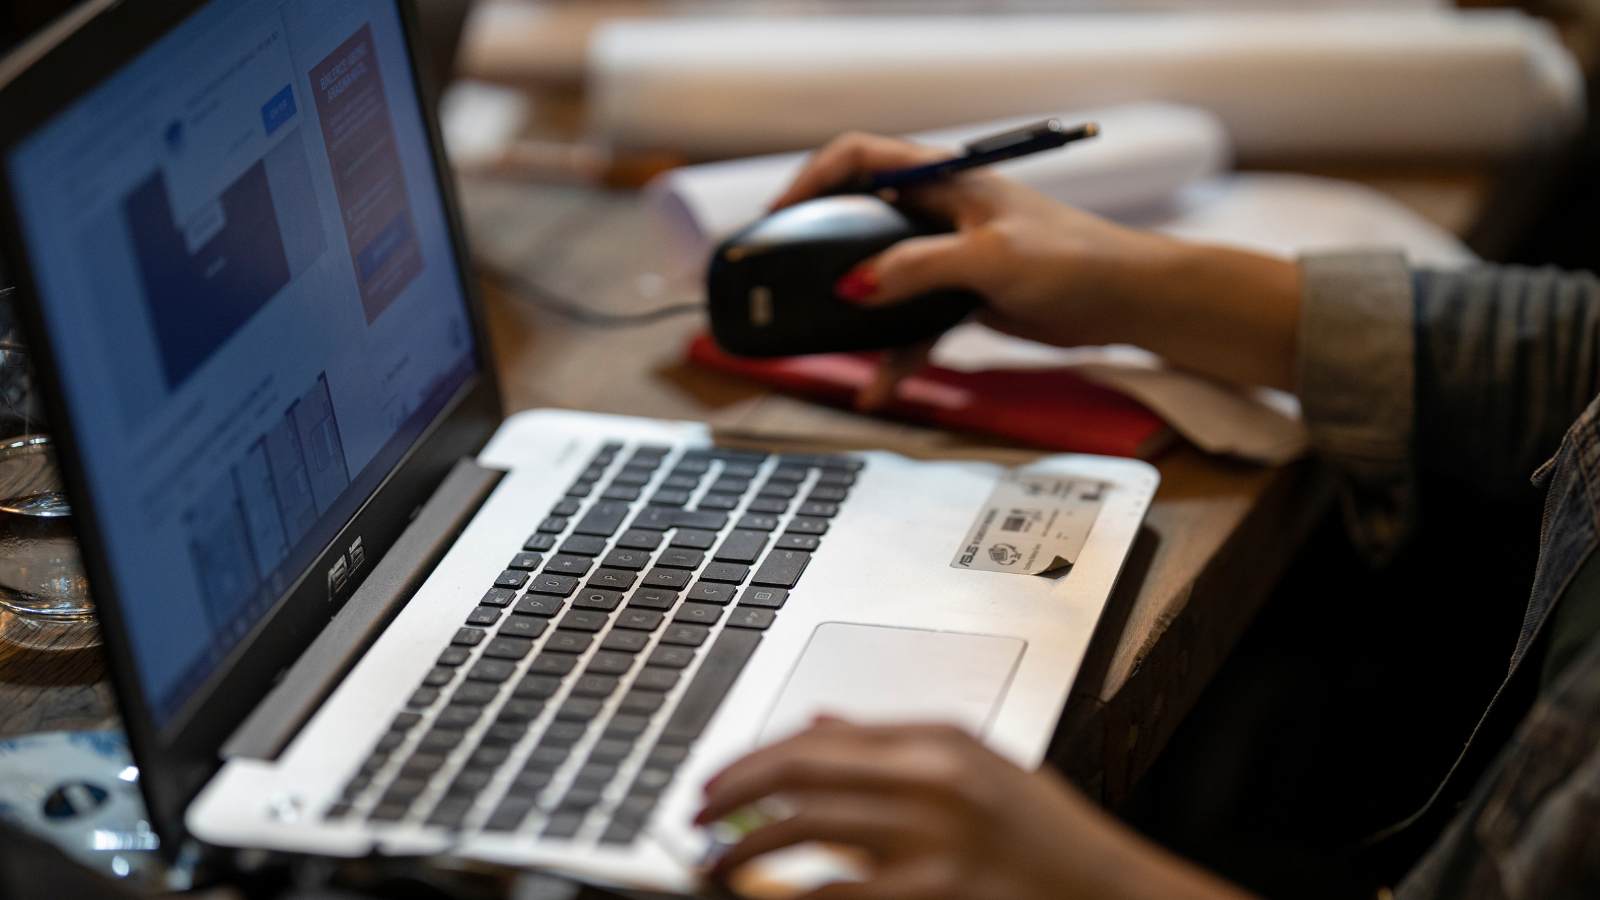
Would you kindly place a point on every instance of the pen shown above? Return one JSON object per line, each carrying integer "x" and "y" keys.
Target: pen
{"x": 1046, "y": 135}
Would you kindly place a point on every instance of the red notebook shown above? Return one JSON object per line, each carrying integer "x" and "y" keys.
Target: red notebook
{"x": 1053, "y": 409}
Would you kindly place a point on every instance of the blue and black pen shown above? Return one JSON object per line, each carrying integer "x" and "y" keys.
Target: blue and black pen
{"x": 1046, "y": 135}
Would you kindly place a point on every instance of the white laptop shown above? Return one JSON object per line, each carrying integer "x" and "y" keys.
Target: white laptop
{"x": 348, "y": 609}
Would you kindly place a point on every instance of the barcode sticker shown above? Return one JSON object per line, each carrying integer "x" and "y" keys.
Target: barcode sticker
{"x": 1032, "y": 523}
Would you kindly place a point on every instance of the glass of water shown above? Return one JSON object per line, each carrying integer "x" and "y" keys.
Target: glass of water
{"x": 41, "y": 571}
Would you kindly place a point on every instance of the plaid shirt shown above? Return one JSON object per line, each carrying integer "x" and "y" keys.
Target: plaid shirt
{"x": 1483, "y": 373}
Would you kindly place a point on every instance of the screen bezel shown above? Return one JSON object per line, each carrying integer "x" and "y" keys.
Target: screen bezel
{"x": 62, "y": 64}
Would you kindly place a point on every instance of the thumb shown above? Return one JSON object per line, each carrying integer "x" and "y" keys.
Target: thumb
{"x": 913, "y": 266}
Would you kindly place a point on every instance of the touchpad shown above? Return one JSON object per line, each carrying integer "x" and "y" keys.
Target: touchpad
{"x": 879, "y": 675}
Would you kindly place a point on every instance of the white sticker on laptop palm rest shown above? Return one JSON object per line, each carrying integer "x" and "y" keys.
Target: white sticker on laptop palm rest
{"x": 1032, "y": 523}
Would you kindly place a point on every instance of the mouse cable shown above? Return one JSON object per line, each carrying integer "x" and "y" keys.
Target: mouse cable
{"x": 536, "y": 294}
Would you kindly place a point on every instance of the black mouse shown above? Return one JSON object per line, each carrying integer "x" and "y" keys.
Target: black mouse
{"x": 770, "y": 287}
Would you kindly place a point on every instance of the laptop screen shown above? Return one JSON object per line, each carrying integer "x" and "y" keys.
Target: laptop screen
{"x": 247, "y": 279}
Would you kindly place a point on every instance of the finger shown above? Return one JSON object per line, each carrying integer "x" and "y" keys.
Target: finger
{"x": 896, "y": 366}
{"x": 848, "y": 155}
{"x": 911, "y": 267}
{"x": 881, "y": 826}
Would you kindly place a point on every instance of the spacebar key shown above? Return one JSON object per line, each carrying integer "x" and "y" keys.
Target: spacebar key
{"x": 723, "y": 664}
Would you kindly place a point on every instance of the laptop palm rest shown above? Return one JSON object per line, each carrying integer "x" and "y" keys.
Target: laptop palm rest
{"x": 874, "y": 674}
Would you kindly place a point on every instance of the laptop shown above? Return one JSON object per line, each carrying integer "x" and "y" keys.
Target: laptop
{"x": 348, "y": 609}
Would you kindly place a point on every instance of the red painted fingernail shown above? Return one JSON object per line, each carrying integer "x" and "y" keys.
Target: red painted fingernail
{"x": 857, "y": 285}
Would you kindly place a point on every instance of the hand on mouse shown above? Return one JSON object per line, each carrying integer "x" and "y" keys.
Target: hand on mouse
{"x": 941, "y": 816}
{"x": 1055, "y": 274}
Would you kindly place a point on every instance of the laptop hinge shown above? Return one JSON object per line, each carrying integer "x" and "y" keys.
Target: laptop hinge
{"x": 396, "y": 578}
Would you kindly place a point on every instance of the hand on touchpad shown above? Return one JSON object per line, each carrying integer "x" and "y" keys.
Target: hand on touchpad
{"x": 873, "y": 674}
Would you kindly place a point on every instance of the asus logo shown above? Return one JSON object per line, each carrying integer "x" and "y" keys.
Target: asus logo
{"x": 344, "y": 567}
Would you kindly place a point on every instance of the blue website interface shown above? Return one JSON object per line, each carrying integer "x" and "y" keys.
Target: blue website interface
{"x": 249, "y": 286}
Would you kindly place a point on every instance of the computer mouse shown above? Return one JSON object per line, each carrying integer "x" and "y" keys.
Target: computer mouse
{"x": 770, "y": 287}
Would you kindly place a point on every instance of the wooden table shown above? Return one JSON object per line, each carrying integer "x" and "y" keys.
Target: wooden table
{"x": 1214, "y": 542}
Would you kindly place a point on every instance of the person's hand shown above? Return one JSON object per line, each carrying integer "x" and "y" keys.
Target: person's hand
{"x": 941, "y": 817}
{"x": 1055, "y": 274}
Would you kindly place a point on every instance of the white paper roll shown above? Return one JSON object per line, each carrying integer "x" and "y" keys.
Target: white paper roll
{"x": 1144, "y": 153}
{"x": 1284, "y": 83}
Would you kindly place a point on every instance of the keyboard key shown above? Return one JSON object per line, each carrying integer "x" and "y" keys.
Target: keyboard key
{"x": 818, "y": 509}
{"x": 772, "y": 598}
{"x": 620, "y": 492}
{"x": 610, "y": 663}
{"x": 567, "y": 564}
{"x": 756, "y": 522}
{"x": 509, "y": 814}
{"x": 565, "y": 641}
{"x": 595, "y": 775}
{"x": 779, "y": 489}
{"x": 620, "y": 833}
{"x": 751, "y": 617}
{"x": 709, "y": 592}
{"x": 634, "y": 809}
{"x": 718, "y": 501}
{"x": 666, "y": 756}
{"x": 498, "y": 597}
{"x": 730, "y": 573}
{"x": 624, "y": 558}
{"x": 781, "y": 568}
{"x": 726, "y": 658}
{"x": 694, "y": 538}
{"x": 579, "y": 709}
{"x": 555, "y": 585}
{"x": 523, "y": 627}
{"x": 685, "y": 635}
{"x": 626, "y": 727}
{"x": 610, "y": 750}
{"x": 439, "y": 740}
{"x": 538, "y": 605}
{"x": 388, "y": 812}
{"x": 520, "y": 710}
{"x": 404, "y": 721}
{"x": 698, "y": 614}
{"x": 404, "y": 790}
{"x": 537, "y": 687}
{"x": 836, "y": 477}
{"x": 553, "y": 664}
{"x": 539, "y": 542}
{"x": 547, "y": 757}
{"x": 681, "y": 558}
{"x": 692, "y": 465}
{"x": 704, "y": 520}
{"x": 440, "y": 675}
{"x": 639, "y": 619}
{"x": 768, "y": 505}
{"x": 726, "y": 485}
{"x": 633, "y": 476}
{"x": 640, "y": 539}
{"x": 454, "y": 656}
{"x": 508, "y": 647}
{"x": 563, "y": 735}
{"x": 669, "y": 497}
{"x": 651, "y": 782}
{"x": 802, "y": 525}
{"x": 458, "y": 718}
{"x": 470, "y": 782}
{"x": 679, "y": 480}
{"x": 504, "y": 734}
{"x": 525, "y": 560}
{"x": 563, "y": 824}
{"x": 656, "y": 679}
{"x": 553, "y": 525}
{"x": 483, "y": 615}
{"x": 597, "y": 598}
{"x": 423, "y": 698}
{"x": 583, "y": 545}
{"x": 584, "y": 620}
{"x": 475, "y": 693}
{"x": 787, "y": 473}
{"x": 603, "y": 519}
{"x": 487, "y": 757}
{"x": 528, "y": 783}
{"x": 495, "y": 670}
{"x": 468, "y": 637}
{"x": 797, "y": 542}
{"x": 826, "y": 493}
{"x": 653, "y": 598}
{"x": 676, "y": 579}
{"x": 566, "y": 507}
{"x": 511, "y": 579}
{"x": 580, "y": 489}
{"x": 671, "y": 657}
{"x": 422, "y": 765}
{"x": 741, "y": 546}
{"x": 612, "y": 579}
{"x": 595, "y": 472}
{"x": 589, "y": 685}
{"x": 625, "y": 641}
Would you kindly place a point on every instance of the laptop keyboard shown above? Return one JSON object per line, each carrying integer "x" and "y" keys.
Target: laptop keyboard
{"x": 568, "y": 698}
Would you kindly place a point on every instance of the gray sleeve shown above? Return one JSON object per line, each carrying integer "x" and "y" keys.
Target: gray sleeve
{"x": 1354, "y": 376}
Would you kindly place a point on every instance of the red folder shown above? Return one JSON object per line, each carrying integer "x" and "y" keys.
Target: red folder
{"x": 1053, "y": 409}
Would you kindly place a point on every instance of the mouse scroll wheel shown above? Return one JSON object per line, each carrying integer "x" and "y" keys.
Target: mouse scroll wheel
{"x": 761, "y": 306}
